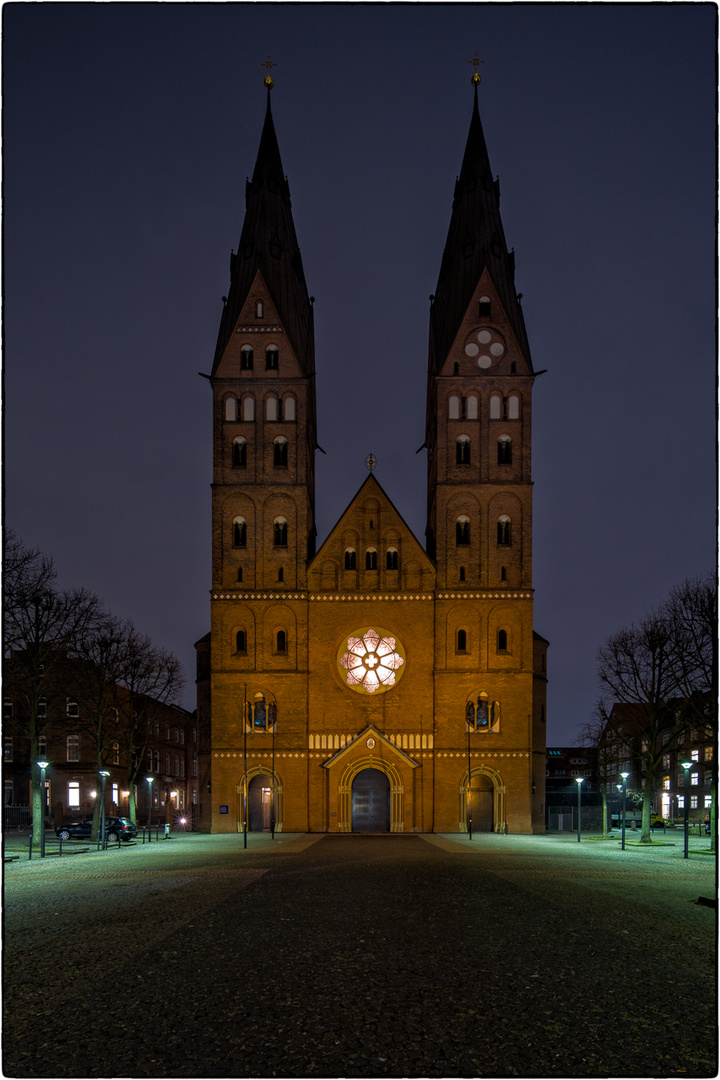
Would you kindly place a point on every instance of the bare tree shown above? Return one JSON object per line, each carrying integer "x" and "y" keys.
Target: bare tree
{"x": 42, "y": 626}
{"x": 592, "y": 734}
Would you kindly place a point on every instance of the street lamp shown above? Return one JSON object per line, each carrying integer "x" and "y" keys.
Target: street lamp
{"x": 578, "y": 781}
{"x": 42, "y": 765}
{"x": 149, "y": 784}
{"x": 104, "y": 775}
{"x": 624, "y": 776}
{"x": 687, "y": 765}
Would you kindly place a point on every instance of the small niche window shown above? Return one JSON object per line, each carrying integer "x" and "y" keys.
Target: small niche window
{"x": 246, "y": 358}
{"x": 503, "y": 530}
{"x": 272, "y": 358}
{"x": 462, "y": 450}
{"x": 248, "y": 408}
{"x": 371, "y": 559}
{"x": 288, "y": 407}
{"x": 462, "y": 531}
{"x": 231, "y": 410}
{"x": 280, "y": 532}
{"x": 461, "y": 641}
{"x": 272, "y": 411}
{"x": 503, "y": 573}
{"x": 280, "y": 452}
{"x": 239, "y": 452}
{"x": 259, "y": 309}
{"x": 484, "y": 307}
{"x": 504, "y": 450}
{"x": 462, "y": 573}
{"x": 281, "y": 642}
{"x": 241, "y": 642}
{"x": 391, "y": 559}
{"x": 239, "y": 532}
{"x": 502, "y": 641}
{"x": 239, "y": 573}
{"x": 454, "y": 407}
{"x": 350, "y": 559}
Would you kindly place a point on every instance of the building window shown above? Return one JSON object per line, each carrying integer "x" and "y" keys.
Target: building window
{"x": 280, "y": 458}
{"x": 454, "y": 407}
{"x": 239, "y": 532}
{"x": 461, "y": 641}
{"x": 260, "y": 712}
{"x": 246, "y": 358}
{"x": 73, "y": 795}
{"x": 462, "y": 450}
{"x": 513, "y": 407}
{"x": 371, "y": 559}
{"x": 239, "y": 573}
{"x": 350, "y": 561}
{"x": 502, "y": 641}
{"x": 484, "y": 307}
{"x": 194, "y": 764}
{"x": 503, "y": 530}
{"x": 259, "y": 309}
{"x": 694, "y": 755}
{"x": 241, "y": 641}
{"x": 666, "y": 783}
{"x": 42, "y": 746}
{"x": 693, "y": 802}
{"x": 495, "y": 407}
{"x": 150, "y": 760}
{"x": 71, "y": 709}
{"x": 504, "y": 450}
{"x": 462, "y": 573}
{"x": 176, "y": 734}
{"x": 271, "y": 358}
{"x": 280, "y": 530}
{"x": 42, "y": 709}
{"x": 462, "y": 531}
{"x": 695, "y": 778}
{"x": 116, "y": 753}
{"x": 372, "y": 663}
{"x": 391, "y": 559}
{"x": 248, "y": 408}
{"x": 481, "y": 714}
{"x": 7, "y": 709}
{"x": 167, "y": 765}
{"x": 182, "y": 768}
{"x": 272, "y": 411}
{"x": 239, "y": 452}
{"x": 72, "y": 748}
{"x": 471, "y": 407}
{"x": 288, "y": 408}
{"x": 8, "y": 748}
{"x": 708, "y": 753}
{"x": 281, "y": 642}
{"x": 231, "y": 408}
{"x": 681, "y": 802}
{"x": 157, "y": 761}
{"x": 177, "y": 765}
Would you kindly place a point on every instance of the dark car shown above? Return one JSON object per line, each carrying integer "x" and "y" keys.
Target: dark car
{"x": 115, "y": 827}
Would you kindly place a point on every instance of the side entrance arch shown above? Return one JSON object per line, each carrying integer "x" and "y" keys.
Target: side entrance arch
{"x": 264, "y": 797}
{"x": 370, "y": 801}
{"x": 487, "y": 800}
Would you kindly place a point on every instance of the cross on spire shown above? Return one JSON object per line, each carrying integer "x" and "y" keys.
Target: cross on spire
{"x": 268, "y": 64}
{"x": 475, "y": 63}
{"x": 370, "y": 462}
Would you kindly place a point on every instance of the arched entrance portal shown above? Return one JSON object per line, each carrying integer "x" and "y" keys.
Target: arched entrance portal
{"x": 481, "y": 802}
{"x": 371, "y": 802}
{"x": 260, "y": 803}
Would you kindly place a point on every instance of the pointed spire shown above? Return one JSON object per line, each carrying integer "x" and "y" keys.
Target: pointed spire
{"x": 268, "y": 243}
{"x": 475, "y": 241}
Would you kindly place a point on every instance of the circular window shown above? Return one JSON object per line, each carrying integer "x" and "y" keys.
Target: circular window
{"x": 485, "y": 346}
{"x": 371, "y": 660}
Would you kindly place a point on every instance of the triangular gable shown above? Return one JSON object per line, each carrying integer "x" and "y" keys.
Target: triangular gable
{"x": 513, "y": 353}
{"x": 370, "y": 731}
{"x": 248, "y": 329}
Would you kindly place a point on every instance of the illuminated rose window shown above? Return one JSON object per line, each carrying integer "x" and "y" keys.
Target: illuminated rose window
{"x": 371, "y": 661}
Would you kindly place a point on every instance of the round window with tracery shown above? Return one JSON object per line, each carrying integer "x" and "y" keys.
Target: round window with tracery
{"x": 371, "y": 660}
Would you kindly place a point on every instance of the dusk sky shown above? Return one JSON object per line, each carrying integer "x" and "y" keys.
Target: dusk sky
{"x": 129, "y": 130}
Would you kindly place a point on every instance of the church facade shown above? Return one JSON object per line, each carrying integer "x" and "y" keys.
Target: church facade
{"x": 370, "y": 683}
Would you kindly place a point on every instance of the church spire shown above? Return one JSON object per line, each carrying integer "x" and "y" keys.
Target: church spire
{"x": 475, "y": 242}
{"x": 268, "y": 244}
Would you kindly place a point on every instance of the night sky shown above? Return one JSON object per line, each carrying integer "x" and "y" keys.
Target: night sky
{"x": 129, "y": 130}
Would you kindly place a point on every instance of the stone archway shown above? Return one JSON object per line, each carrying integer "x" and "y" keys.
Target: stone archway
{"x": 370, "y": 801}
{"x": 259, "y": 780}
{"x": 370, "y": 762}
{"x": 487, "y": 795}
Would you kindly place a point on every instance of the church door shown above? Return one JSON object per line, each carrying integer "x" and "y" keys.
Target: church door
{"x": 260, "y": 796}
{"x": 481, "y": 795}
{"x": 371, "y": 802}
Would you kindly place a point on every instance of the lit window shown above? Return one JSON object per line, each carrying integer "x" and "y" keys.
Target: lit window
{"x": 239, "y": 451}
{"x": 271, "y": 358}
{"x": 708, "y": 802}
{"x": 116, "y": 794}
{"x": 248, "y": 407}
{"x": 708, "y": 753}
{"x": 681, "y": 802}
{"x": 72, "y": 748}
{"x": 371, "y": 661}
{"x": 246, "y": 358}
{"x": 280, "y": 532}
{"x": 693, "y": 802}
{"x": 695, "y": 779}
{"x": 350, "y": 561}
{"x": 73, "y": 790}
{"x": 695, "y": 755}
{"x": 239, "y": 533}
{"x": 666, "y": 783}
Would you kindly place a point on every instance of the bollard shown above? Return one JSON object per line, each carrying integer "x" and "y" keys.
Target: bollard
{"x": 60, "y": 847}
{"x": 30, "y": 846}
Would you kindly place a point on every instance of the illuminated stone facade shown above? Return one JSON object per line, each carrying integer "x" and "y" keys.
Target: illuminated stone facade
{"x": 357, "y": 686}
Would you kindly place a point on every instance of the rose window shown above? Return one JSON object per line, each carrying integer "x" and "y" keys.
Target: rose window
{"x": 371, "y": 661}
{"x": 486, "y": 346}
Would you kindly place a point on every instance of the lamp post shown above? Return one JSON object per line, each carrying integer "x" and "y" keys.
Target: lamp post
{"x": 578, "y": 781}
{"x": 624, "y": 776}
{"x": 149, "y": 784}
{"x": 103, "y": 777}
{"x": 687, "y": 765}
{"x": 42, "y": 765}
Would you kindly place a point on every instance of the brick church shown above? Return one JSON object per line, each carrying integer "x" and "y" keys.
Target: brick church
{"x": 368, "y": 682}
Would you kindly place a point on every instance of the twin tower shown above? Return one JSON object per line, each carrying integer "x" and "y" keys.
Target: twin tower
{"x": 368, "y": 683}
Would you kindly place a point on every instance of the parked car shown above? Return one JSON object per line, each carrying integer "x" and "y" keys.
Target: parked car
{"x": 115, "y": 827}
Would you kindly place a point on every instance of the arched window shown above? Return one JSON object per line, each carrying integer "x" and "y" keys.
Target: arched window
{"x": 259, "y": 310}
{"x": 513, "y": 407}
{"x": 503, "y": 529}
{"x": 495, "y": 407}
{"x": 239, "y": 451}
{"x": 271, "y": 408}
{"x": 239, "y": 573}
{"x": 461, "y": 641}
{"x": 280, "y": 531}
{"x": 260, "y": 712}
{"x": 350, "y": 562}
{"x": 391, "y": 559}
{"x": 503, "y": 573}
{"x": 462, "y": 530}
{"x": 371, "y": 559}
{"x": 502, "y": 641}
{"x": 288, "y": 407}
{"x": 281, "y": 641}
{"x": 482, "y": 715}
{"x": 462, "y": 573}
{"x": 241, "y": 641}
{"x": 246, "y": 358}
{"x": 231, "y": 408}
{"x": 280, "y": 452}
{"x": 248, "y": 407}
{"x": 462, "y": 450}
{"x": 239, "y": 532}
{"x": 454, "y": 407}
{"x": 281, "y": 574}
{"x": 504, "y": 450}
{"x": 271, "y": 358}
{"x": 471, "y": 407}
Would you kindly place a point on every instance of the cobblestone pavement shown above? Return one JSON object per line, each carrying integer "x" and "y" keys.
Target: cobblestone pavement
{"x": 361, "y": 956}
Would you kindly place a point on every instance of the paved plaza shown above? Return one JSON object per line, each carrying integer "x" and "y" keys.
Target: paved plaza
{"x": 362, "y": 956}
